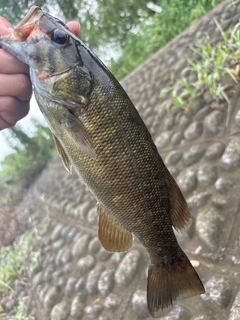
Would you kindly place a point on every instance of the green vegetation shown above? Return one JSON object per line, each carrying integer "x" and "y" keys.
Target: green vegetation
{"x": 217, "y": 70}
{"x": 133, "y": 29}
{"x": 28, "y": 159}
{"x": 13, "y": 269}
{"x": 155, "y": 31}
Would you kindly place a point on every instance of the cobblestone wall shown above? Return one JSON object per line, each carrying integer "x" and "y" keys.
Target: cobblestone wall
{"x": 77, "y": 278}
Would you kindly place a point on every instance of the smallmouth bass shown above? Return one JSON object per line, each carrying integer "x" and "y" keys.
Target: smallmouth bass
{"x": 98, "y": 131}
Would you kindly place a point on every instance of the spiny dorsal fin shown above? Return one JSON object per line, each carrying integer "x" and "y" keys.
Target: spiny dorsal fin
{"x": 65, "y": 160}
{"x": 179, "y": 211}
{"x": 112, "y": 235}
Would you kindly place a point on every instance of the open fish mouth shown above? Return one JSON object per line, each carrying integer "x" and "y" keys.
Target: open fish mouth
{"x": 24, "y": 29}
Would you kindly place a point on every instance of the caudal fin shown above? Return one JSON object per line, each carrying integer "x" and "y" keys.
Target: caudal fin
{"x": 165, "y": 285}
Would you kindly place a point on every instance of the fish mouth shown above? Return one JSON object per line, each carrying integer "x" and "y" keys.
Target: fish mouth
{"x": 24, "y": 29}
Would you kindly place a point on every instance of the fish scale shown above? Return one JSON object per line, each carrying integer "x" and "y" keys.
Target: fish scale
{"x": 98, "y": 131}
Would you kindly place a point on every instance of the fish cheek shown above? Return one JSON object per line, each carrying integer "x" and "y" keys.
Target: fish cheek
{"x": 74, "y": 88}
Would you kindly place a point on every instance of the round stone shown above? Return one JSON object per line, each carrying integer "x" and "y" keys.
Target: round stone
{"x": 66, "y": 255}
{"x": 37, "y": 279}
{"x": 56, "y": 232}
{"x": 139, "y": 304}
{"x": 163, "y": 139}
{"x": 84, "y": 209}
{"x": 235, "y": 309}
{"x": 208, "y": 226}
{"x": 85, "y": 264}
{"x": 103, "y": 254}
{"x": 206, "y": 174}
{"x": 77, "y": 308}
{"x": 92, "y": 217}
{"x": 47, "y": 274}
{"x": 173, "y": 157}
{"x": 60, "y": 311}
{"x": 194, "y": 154}
{"x": 187, "y": 180}
{"x": 201, "y": 114}
{"x": 169, "y": 123}
{"x": 92, "y": 279}
{"x": 198, "y": 200}
{"x": 112, "y": 301}
{"x": 218, "y": 293}
{"x": 94, "y": 245}
{"x": 93, "y": 311}
{"x": 68, "y": 267}
{"x": 231, "y": 158}
{"x": 70, "y": 285}
{"x": 237, "y": 118}
{"x": 80, "y": 284}
{"x": 173, "y": 170}
{"x": 193, "y": 131}
{"x": 71, "y": 234}
{"x": 223, "y": 184}
{"x": 213, "y": 121}
{"x": 176, "y": 138}
{"x": 80, "y": 247}
{"x": 51, "y": 297}
{"x": 183, "y": 123}
{"x": 194, "y": 108}
{"x": 65, "y": 231}
{"x": 106, "y": 281}
{"x": 127, "y": 268}
{"x": 220, "y": 202}
{"x": 215, "y": 151}
{"x": 117, "y": 257}
{"x": 57, "y": 245}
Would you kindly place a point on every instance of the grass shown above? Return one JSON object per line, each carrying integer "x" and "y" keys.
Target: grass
{"x": 13, "y": 268}
{"x": 216, "y": 70}
{"x": 13, "y": 262}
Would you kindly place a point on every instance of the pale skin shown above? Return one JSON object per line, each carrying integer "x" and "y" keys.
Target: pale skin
{"x": 15, "y": 84}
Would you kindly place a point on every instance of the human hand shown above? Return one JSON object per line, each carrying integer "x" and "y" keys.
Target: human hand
{"x": 15, "y": 84}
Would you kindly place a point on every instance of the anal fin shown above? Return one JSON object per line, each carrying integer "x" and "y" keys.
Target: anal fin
{"x": 112, "y": 235}
{"x": 65, "y": 160}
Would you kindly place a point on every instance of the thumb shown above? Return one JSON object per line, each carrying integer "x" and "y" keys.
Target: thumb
{"x": 5, "y": 26}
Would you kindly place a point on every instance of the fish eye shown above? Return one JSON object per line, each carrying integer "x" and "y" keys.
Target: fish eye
{"x": 59, "y": 36}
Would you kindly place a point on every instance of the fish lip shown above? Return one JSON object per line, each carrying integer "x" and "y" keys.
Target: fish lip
{"x": 35, "y": 12}
{"x": 23, "y": 30}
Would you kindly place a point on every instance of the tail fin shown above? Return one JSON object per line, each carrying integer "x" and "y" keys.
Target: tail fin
{"x": 165, "y": 285}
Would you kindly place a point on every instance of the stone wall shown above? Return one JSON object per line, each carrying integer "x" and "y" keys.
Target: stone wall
{"x": 77, "y": 278}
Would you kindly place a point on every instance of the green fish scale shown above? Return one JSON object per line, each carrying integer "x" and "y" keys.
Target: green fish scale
{"x": 127, "y": 177}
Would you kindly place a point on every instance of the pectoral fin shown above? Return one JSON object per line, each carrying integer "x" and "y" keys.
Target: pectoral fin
{"x": 112, "y": 235}
{"x": 75, "y": 128}
{"x": 65, "y": 160}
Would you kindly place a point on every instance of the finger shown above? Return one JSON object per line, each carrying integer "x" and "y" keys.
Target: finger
{"x": 18, "y": 85}
{"x": 10, "y": 64}
{"x": 5, "y": 23}
{"x": 12, "y": 110}
{"x": 74, "y": 26}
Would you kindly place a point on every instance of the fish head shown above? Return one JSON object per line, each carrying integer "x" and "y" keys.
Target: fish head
{"x": 53, "y": 54}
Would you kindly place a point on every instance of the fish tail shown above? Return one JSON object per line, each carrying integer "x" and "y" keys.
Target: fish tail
{"x": 166, "y": 284}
